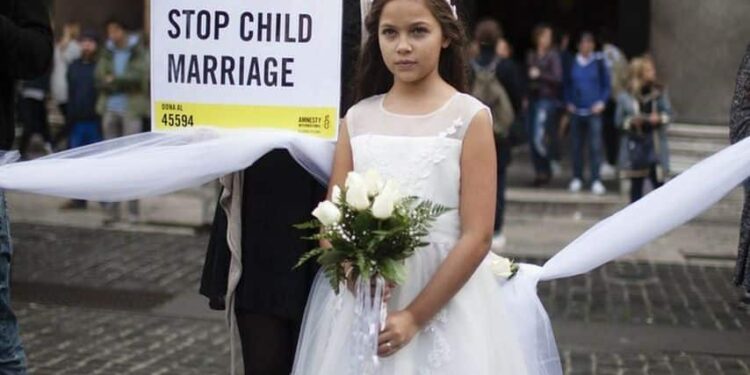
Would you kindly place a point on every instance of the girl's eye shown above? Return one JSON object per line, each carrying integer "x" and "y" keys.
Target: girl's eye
{"x": 420, "y": 31}
{"x": 388, "y": 32}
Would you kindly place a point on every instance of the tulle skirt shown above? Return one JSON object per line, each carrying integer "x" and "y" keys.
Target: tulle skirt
{"x": 473, "y": 334}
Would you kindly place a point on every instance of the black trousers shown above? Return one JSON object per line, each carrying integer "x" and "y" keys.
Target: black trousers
{"x": 33, "y": 115}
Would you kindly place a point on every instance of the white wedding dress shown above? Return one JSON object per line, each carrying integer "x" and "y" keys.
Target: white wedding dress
{"x": 473, "y": 334}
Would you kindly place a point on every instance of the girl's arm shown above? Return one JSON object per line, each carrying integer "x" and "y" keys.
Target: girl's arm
{"x": 477, "y": 211}
{"x": 342, "y": 164}
{"x": 342, "y": 159}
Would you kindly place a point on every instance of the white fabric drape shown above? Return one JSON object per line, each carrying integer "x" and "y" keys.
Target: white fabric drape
{"x": 151, "y": 164}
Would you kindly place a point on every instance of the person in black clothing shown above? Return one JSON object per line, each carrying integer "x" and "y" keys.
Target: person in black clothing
{"x": 278, "y": 193}
{"x": 26, "y": 44}
{"x": 739, "y": 129}
{"x": 487, "y": 34}
{"x": 85, "y": 122}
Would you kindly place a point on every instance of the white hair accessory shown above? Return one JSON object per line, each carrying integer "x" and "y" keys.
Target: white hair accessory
{"x": 365, "y": 6}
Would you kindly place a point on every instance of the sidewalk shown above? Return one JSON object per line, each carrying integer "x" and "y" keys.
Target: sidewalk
{"x": 123, "y": 299}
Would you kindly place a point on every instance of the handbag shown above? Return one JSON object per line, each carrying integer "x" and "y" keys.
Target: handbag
{"x": 640, "y": 148}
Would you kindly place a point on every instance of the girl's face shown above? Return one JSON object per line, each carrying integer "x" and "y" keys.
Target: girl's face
{"x": 411, "y": 40}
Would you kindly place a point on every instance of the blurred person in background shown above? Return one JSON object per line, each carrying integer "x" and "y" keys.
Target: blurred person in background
{"x": 544, "y": 69}
{"x": 82, "y": 95}
{"x": 67, "y": 50}
{"x": 643, "y": 115}
{"x": 587, "y": 87}
{"x": 496, "y": 82}
{"x": 504, "y": 49}
{"x": 617, "y": 64}
{"x": 121, "y": 77}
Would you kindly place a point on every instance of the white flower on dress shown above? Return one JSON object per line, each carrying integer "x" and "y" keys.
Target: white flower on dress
{"x": 503, "y": 267}
{"x": 457, "y": 123}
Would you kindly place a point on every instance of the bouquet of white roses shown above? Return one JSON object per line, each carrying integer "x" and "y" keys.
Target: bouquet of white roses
{"x": 371, "y": 227}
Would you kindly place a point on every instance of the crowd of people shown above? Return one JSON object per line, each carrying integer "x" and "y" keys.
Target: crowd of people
{"x": 604, "y": 109}
{"x": 100, "y": 85}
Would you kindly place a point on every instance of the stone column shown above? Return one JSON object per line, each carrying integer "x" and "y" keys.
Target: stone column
{"x": 147, "y": 17}
{"x": 698, "y": 46}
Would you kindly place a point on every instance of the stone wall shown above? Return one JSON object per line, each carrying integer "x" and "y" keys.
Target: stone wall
{"x": 698, "y": 45}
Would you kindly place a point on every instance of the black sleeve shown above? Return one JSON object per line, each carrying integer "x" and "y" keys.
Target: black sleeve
{"x": 739, "y": 116}
{"x": 216, "y": 267}
{"x": 350, "y": 42}
{"x": 26, "y": 40}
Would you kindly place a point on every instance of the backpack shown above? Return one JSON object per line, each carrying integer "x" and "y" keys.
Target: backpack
{"x": 488, "y": 89}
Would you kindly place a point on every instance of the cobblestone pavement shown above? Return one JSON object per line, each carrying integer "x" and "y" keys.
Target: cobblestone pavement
{"x": 71, "y": 340}
{"x": 640, "y": 293}
{"x": 577, "y": 363}
{"x": 86, "y": 304}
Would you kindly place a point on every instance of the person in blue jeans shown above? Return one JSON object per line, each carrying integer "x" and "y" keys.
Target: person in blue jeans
{"x": 587, "y": 86}
{"x": 12, "y": 355}
{"x": 545, "y": 78}
{"x": 82, "y": 96}
{"x": 26, "y": 44}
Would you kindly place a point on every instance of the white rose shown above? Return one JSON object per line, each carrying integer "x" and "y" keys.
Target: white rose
{"x": 386, "y": 201}
{"x": 501, "y": 266}
{"x": 336, "y": 194}
{"x": 356, "y": 192}
{"x": 327, "y": 213}
{"x": 374, "y": 182}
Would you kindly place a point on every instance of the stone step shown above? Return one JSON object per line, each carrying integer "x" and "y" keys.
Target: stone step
{"x": 704, "y": 149}
{"x": 558, "y": 203}
{"x": 527, "y": 202}
{"x": 702, "y": 132}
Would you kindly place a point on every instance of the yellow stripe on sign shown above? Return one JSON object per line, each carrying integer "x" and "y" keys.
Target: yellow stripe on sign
{"x": 316, "y": 121}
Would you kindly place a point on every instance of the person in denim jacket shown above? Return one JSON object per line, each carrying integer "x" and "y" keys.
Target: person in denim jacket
{"x": 643, "y": 110}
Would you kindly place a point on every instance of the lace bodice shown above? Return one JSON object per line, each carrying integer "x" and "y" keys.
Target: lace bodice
{"x": 421, "y": 152}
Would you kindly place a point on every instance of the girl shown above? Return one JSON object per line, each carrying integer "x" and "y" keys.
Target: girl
{"x": 643, "y": 113}
{"x": 414, "y": 124}
{"x": 277, "y": 193}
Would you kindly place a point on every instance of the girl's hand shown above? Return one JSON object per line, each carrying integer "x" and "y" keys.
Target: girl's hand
{"x": 400, "y": 328}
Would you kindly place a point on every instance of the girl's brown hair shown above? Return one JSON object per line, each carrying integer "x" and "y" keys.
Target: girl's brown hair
{"x": 373, "y": 77}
